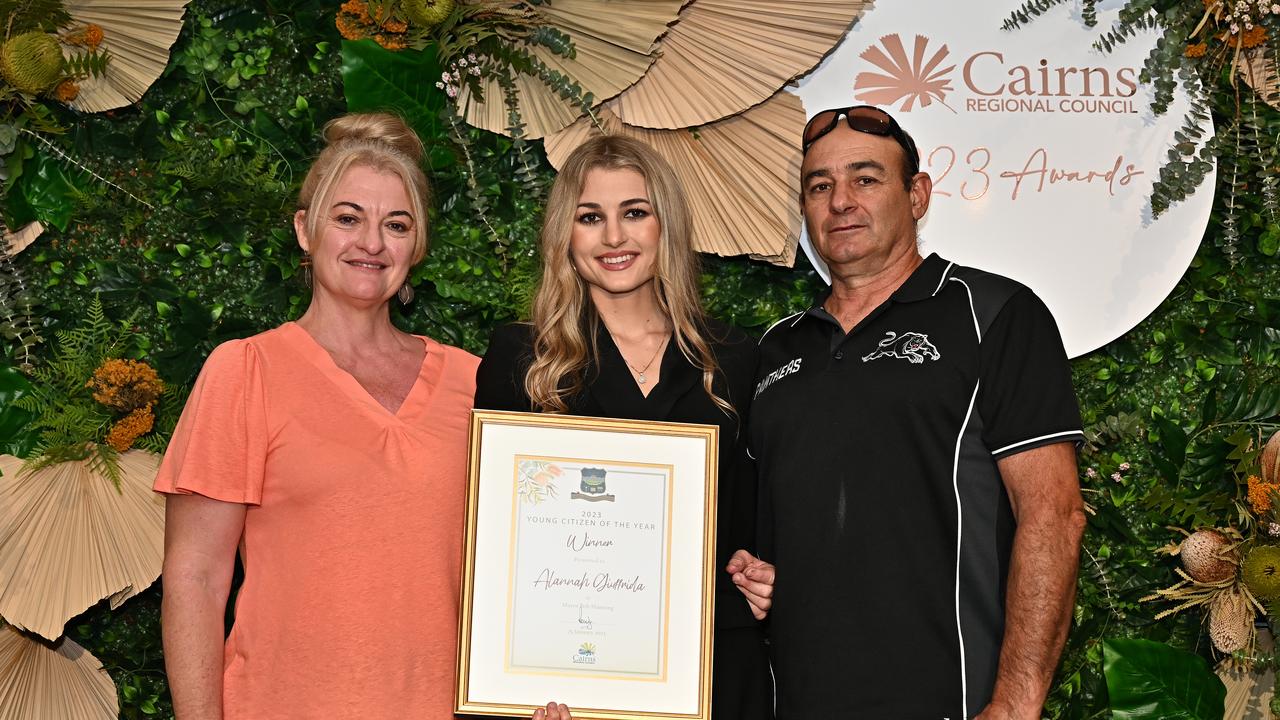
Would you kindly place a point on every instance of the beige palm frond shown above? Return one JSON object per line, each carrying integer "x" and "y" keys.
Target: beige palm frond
{"x": 16, "y": 242}
{"x": 68, "y": 539}
{"x": 741, "y": 175}
{"x": 613, "y": 46}
{"x": 137, "y": 34}
{"x": 52, "y": 681}
{"x": 1260, "y": 71}
{"x": 724, "y": 56}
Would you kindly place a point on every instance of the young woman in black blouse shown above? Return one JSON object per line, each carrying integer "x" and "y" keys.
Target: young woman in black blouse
{"x": 618, "y": 330}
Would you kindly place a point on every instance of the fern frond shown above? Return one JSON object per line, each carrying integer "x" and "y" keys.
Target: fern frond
{"x": 87, "y": 64}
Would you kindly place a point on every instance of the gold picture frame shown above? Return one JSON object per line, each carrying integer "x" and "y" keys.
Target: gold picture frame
{"x": 640, "y": 646}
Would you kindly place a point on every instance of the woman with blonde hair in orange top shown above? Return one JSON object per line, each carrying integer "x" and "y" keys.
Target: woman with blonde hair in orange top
{"x": 331, "y": 453}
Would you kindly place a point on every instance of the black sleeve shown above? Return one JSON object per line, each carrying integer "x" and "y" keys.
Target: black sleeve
{"x": 500, "y": 377}
{"x": 741, "y": 358}
{"x": 1026, "y": 399}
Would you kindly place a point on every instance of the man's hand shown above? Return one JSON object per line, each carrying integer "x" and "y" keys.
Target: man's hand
{"x": 754, "y": 578}
{"x": 553, "y": 711}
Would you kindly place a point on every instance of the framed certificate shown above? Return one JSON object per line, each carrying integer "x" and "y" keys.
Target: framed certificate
{"x": 589, "y": 569}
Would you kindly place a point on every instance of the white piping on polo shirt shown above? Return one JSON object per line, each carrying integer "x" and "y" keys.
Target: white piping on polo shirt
{"x": 1037, "y": 439}
{"x": 779, "y": 322}
{"x": 943, "y": 279}
{"x": 976, "y": 328}
{"x": 955, "y": 485}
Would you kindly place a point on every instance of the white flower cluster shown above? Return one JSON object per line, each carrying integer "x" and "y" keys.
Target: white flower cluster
{"x": 451, "y": 80}
{"x": 1246, "y": 13}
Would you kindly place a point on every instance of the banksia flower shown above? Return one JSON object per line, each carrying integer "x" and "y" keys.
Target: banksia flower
{"x": 1261, "y": 572}
{"x": 428, "y": 13}
{"x": 31, "y": 62}
{"x": 1203, "y": 557}
{"x": 1230, "y": 621}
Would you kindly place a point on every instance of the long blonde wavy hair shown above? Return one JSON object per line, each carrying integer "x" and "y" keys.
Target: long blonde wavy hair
{"x": 564, "y": 318}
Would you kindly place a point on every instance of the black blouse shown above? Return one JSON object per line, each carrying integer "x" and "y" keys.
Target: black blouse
{"x": 610, "y": 391}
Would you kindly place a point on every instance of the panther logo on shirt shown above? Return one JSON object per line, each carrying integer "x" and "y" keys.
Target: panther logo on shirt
{"x": 913, "y": 347}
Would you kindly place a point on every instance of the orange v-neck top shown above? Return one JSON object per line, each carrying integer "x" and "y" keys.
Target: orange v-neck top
{"x": 353, "y": 536}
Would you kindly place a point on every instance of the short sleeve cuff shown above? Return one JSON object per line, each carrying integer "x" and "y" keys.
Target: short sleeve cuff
{"x": 1072, "y": 436}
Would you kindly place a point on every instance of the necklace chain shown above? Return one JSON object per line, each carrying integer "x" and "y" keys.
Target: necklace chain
{"x": 640, "y": 372}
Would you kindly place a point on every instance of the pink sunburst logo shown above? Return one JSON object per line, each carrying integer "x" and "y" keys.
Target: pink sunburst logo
{"x": 906, "y": 79}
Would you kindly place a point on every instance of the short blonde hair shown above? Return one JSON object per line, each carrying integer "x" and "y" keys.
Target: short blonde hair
{"x": 381, "y": 141}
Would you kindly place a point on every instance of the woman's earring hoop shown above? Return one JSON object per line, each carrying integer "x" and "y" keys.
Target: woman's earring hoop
{"x": 305, "y": 267}
{"x": 405, "y": 293}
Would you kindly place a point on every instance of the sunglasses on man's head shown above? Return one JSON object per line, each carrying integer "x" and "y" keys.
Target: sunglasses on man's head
{"x": 862, "y": 118}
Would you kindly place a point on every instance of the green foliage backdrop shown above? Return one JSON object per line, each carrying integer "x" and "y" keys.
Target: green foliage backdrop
{"x": 218, "y": 147}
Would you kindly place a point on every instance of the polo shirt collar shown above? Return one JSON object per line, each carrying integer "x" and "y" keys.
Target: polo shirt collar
{"x": 924, "y": 282}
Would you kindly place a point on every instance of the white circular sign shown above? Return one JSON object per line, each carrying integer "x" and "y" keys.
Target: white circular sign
{"x": 1042, "y": 150}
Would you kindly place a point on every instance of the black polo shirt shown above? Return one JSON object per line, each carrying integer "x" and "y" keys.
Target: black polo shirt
{"x": 882, "y": 504}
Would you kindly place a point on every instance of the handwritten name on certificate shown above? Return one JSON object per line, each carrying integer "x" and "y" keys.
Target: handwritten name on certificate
{"x": 588, "y": 589}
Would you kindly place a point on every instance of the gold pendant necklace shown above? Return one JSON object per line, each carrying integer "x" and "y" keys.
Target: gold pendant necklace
{"x": 640, "y": 373}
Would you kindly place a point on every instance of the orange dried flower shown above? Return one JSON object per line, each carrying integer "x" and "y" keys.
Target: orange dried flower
{"x": 390, "y": 42}
{"x": 1260, "y": 494}
{"x": 66, "y": 91}
{"x": 350, "y": 29}
{"x": 392, "y": 25}
{"x": 90, "y": 36}
{"x": 1196, "y": 50}
{"x": 130, "y": 428}
{"x": 125, "y": 385}
{"x": 93, "y": 36}
{"x": 357, "y": 8}
{"x": 1254, "y": 37}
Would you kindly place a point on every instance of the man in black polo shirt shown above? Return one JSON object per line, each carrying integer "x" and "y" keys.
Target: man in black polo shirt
{"x": 915, "y": 431}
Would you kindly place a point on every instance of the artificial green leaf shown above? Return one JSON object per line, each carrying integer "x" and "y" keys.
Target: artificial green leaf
{"x": 1269, "y": 240}
{"x": 48, "y": 190}
{"x": 1152, "y": 681}
{"x": 1173, "y": 440}
{"x": 404, "y": 82}
{"x": 16, "y": 437}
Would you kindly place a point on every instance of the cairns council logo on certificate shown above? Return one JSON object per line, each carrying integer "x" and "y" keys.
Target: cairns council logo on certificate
{"x": 601, "y": 597}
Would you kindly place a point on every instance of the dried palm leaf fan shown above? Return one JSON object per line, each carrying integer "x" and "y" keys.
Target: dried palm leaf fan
{"x": 52, "y": 681}
{"x": 724, "y": 56}
{"x": 613, "y": 46}
{"x": 15, "y": 242}
{"x": 740, "y": 175}
{"x": 137, "y": 34}
{"x": 68, "y": 538}
{"x": 1260, "y": 70}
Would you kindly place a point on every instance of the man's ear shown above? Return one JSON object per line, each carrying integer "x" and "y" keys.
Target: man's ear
{"x": 921, "y": 191}
{"x": 300, "y": 230}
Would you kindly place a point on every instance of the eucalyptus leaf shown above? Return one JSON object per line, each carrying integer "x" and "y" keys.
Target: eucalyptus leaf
{"x": 1152, "y": 681}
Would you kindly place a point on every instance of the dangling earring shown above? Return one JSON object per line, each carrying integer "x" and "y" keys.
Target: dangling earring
{"x": 305, "y": 267}
{"x": 405, "y": 293}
